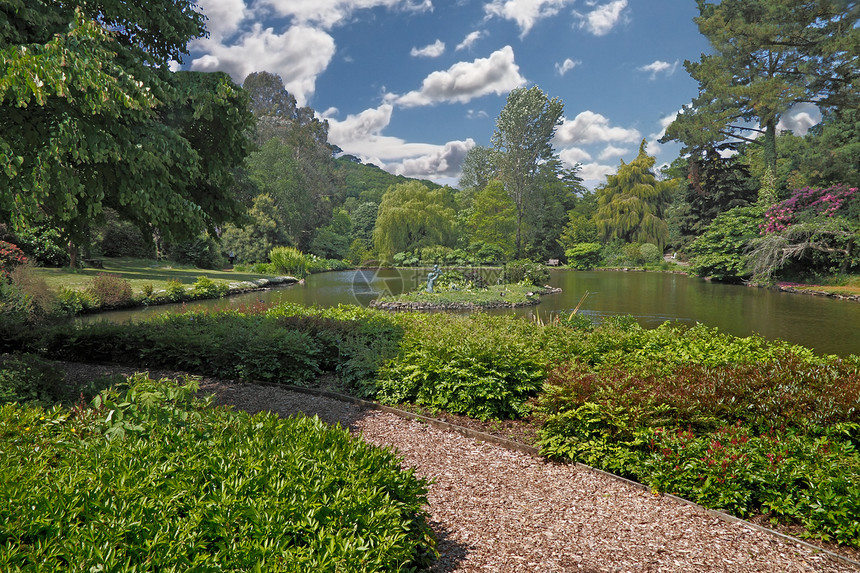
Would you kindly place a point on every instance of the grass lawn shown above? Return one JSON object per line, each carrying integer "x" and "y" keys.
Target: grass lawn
{"x": 510, "y": 294}
{"x": 139, "y": 272}
{"x": 840, "y": 285}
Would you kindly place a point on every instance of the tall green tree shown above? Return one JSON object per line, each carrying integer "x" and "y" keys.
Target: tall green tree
{"x": 631, "y": 203}
{"x": 523, "y": 141}
{"x": 412, "y": 216}
{"x": 91, "y": 118}
{"x": 767, "y": 56}
{"x": 493, "y": 218}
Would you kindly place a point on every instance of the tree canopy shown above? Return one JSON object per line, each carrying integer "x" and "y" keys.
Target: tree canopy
{"x": 767, "y": 56}
{"x": 91, "y": 118}
{"x": 413, "y": 216}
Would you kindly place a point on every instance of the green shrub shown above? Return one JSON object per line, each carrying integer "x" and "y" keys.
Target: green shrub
{"x": 44, "y": 246}
{"x": 175, "y": 291}
{"x": 29, "y": 378}
{"x": 479, "y": 366}
{"x": 153, "y": 479}
{"x": 289, "y": 261}
{"x": 202, "y": 252}
{"x": 110, "y": 290}
{"x": 526, "y": 271}
{"x": 72, "y": 302}
{"x": 649, "y": 253}
{"x": 583, "y": 256}
{"x": 204, "y": 287}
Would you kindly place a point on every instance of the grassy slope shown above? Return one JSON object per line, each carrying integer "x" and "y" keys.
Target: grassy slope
{"x": 139, "y": 272}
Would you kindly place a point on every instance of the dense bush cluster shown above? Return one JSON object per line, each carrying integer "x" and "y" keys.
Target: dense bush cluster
{"x": 126, "y": 486}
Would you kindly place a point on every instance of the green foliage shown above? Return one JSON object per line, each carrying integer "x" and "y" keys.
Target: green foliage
{"x": 110, "y": 290}
{"x": 631, "y": 204}
{"x": 526, "y": 271}
{"x": 261, "y": 233}
{"x": 204, "y": 287}
{"x": 72, "y": 302}
{"x": 29, "y": 378}
{"x": 583, "y": 256}
{"x": 493, "y": 218}
{"x": 722, "y": 250}
{"x": 44, "y": 246}
{"x": 478, "y": 365}
{"x": 412, "y": 216}
{"x": 578, "y": 229}
{"x": 119, "y": 238}
{"x": 219, "y": 490}
{"x": 650, "y": 253}
{"x": 203, "y": 252}
{"x": 175, "y": 290}
{"x": 289, "y": 261}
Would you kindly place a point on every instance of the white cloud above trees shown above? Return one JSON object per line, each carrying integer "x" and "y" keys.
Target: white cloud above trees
{"x": 565, "y": 66}
{"x": 526, "y": 13}
{"x": 465, "y": 81}
{"x": 659, "y": 67}
{"x": 603, "y": 18}
{"x": 470, "y": 40}
{"x": 590, "y": 127}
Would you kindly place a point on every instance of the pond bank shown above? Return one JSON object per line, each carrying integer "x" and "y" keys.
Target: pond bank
{"x": 529, "y": 296}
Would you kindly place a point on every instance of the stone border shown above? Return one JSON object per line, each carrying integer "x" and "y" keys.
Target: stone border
{"x": 530, "y": 450}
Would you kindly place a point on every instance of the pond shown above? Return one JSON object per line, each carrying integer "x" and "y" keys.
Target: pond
{"x": 827, "y": 325}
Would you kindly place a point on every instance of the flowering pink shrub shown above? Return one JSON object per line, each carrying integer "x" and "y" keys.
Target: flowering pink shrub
{"x": 10, "y": 257}
{"x": 808, "y": 202}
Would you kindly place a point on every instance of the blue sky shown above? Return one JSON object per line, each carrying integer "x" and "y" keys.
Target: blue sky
{"x": 411, "y": 85}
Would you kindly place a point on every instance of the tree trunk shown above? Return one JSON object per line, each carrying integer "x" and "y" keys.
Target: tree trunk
{"x": 73, "y": 255}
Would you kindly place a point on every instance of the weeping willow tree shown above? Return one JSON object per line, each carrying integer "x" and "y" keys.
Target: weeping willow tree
{"x": 630, "y": 204}
{"x": 413, "y": 216}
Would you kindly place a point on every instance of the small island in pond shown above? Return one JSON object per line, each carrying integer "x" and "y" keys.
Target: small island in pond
{"x": 454, "y": 290}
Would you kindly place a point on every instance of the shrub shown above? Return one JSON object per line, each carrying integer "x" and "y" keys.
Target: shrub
{"x": 650, "y": 253}
{"x": 123, "y": 239}
{"x": 29, "y": 378}
{"x": 10, "y": 257}
{"x": 204, "y": 287}
{"x": 289, "y": 261}
{"x": 202, "y": 252}
{"x": 26, "y": 296}
{"x": 478, "y": 365}
{"x": 263, "y": 493}
{"x": 175, "y": 291}
{"x": 111, "y": 290}
{"x": 526, "y": 271}
{"x": 44, "y": 246}
{"x": 72, "y": 302}
{"x": 583, "y": 256}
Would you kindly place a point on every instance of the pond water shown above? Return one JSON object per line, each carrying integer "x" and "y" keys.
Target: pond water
{"x": 826, "y": 325}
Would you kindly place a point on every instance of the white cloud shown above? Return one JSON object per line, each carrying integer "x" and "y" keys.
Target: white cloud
{"x": 799, "y": 118}
{"x": 566, "y": 66}
{"x": 660, "y": 67}
{"x": 611, "y": 151}
{"x": 223, "y": 17}
{"x": 433, "y": 50}
{"x": 447, "y": 161}
{"x": 590, "y": 127}
{"x": 477, "y": 114}
{"x": 525, "y": 13}
{"x": 470, "y": 40}
{"x": 361, "y": 135}
{"x": 465, "y": 81}
{"x": 602, "y": 19}
{"x": 654, "y": 147}
{"x": 298, "y": 55}
{"x": 328, "y": 13}
{"x": 573, "y": 155}
{"x": 595, "y": 173}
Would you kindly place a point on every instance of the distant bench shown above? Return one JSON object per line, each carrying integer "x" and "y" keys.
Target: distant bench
{"x": 552, "y": 263}
{"x": 94, "y": 263}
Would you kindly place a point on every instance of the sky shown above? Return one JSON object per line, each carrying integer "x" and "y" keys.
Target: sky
{"x": 412, "y": 85}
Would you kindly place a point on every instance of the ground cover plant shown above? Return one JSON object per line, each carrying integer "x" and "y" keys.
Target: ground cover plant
{"x": 126, "y": 486}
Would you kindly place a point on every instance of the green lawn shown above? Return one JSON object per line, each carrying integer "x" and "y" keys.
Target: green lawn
{"x": 139, "y": 272}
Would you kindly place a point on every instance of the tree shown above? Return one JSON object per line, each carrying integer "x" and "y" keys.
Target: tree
{"x": 631, "y": 203}
{"x": 261, "y": 233}
{"x": 768, "y": 55}
{"x": 493, "y": 219}
{"x": 91, "y": 117}
{"x": 523, "y": 141}
{"x": 413, "y": 216}
{"x": 479, "y": 168}
{"x": 722, "y": 251}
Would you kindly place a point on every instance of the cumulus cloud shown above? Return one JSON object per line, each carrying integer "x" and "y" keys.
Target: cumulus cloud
{"x": 590, "y": 127}
{"x": 566, "y": 66}
{"x": 526, "y": 13}
{"x": 465, "y": 81}
{"x": 659, "y": 67}
{"x": 298, "y": 55}
{"x": 328, "y": 13}
{"x": 223, "y": 17}
{"x": 595, "y": 173}
{"x": 603, "y": 18}
{"x": 611, "y": 151}
{"x": 573, "y": 155}
{"x": 361, "y": 135}
{"x": 470, "y": 40}
{"x": 799, "y": 118}
{"x": 477, "y": 114}
{"x": 433, "y": 50}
